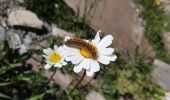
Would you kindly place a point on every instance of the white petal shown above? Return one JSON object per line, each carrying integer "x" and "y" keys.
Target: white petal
{"x": 60, "y": 50}
{"x": 87, "y": 63}
{"x": 112, "y": 57}
{"x": 55, "y": 47}
{"x": 106, "y": 51}
{"x": 104, "y": 60}
{"x": 45, "y": 56}
{"x": 95, "y": 66}
{"x": 84, "y": 64}
{"x": 47, "y": 66}
{"x": 58, "y": 65}
{"x": 48, "y": 51}
{"x": 78, "y": 68}
{"x": 77, "y": 59}
{"x": 89, "y": 72}
{"x": 70, "y": 51}
{"x": 96, "y": 40}
{"x": 106, "y": 41}
{"x": 64, "y": 63}
{"x": 74, "y": 59}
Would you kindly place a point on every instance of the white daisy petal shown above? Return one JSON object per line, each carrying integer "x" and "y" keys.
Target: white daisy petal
{"x": 106, "y": 41}
{"x": 87, "y": 63}
{"x": 96, "y": 40}
{"x": 95, "y": 66}
{"x": 58, "y": 65}
{"x": 74, "y": 59}
{"x": 70, "y": 51}
{"x": 106, "y": 51}
{"x": 64, "y": 63}
{"x": 84, "y": 64}
{"x": 77, "y": 59}
{"x": 46, "y": 57}
{"x": 48, "y": 51}
{"x": 47, "y": 66}
{"x": 112, "y": 57}
{"x": 89, "y": 73}
{"x": 78, "y": 67}
{"x": 55, "y": 47}
{"x": 60, "y": 50}
{"x": 104, "y": 60}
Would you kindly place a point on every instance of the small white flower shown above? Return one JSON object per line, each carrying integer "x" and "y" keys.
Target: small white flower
{"x": 54, "y": 57}
{"x": 87, "y": 54}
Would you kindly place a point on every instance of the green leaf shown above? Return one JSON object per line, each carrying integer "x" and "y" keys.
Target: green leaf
{"x": 37, "y": 97}
{"x": 5, "y": 96}
{"x": 5, "y": 83}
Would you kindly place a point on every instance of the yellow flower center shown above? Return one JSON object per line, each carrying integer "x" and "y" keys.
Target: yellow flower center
{"x": 157, "y": 2}
{"x": 55, "y": 58}
{"x": 85, "y": 53}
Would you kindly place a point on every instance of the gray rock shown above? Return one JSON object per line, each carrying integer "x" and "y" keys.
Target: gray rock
{"x": 116, "y": 17}
{"x": 161, "y": 74}
{"x": 63, "y": 80}
{"x": 166, "y": 41}
{"x": 24, "y": 18}
{"x": 59, "y": 32}
{"x": 2, "y": 33}
{"x": 7, "y": 5}
{"x": 28, "y": 39}
{"x": 23, "y": 49}
{"x": 20, "y": 1}
{"x": 93, "y": 95}
{"x": 14, "y": 40}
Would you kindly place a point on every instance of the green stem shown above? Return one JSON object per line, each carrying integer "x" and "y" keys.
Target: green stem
{"x": 51, "y": 77}
{"x": 81, "y": 79}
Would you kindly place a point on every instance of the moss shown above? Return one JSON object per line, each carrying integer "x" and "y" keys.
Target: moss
{"x": 155, "y": 25}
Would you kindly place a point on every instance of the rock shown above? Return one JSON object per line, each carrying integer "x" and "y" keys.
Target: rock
{"x": 63, "y": 80}
{"x": 14, "y": 40}
{"x": 116, "y": 17}
{"x": 36, "y": 65}
{"x": 2, "y": 34}
{"x": 161, "y": 74}
{"x": 146, "y": 49}
{"x": 28, "y": 39}
{"x": 59, "y": 78}
{"x": 93, "y": 95}
{"x": 59, "y": 32}
{"x": 23, "y": 49}
{"x": 7, "y": 5}
{"x": 87, "y": 80}
{"x": 166, "y": 41}
{"x": 20, "y": 1}
{"x": 24, "y": 18}
{"x": 3, "y": 21}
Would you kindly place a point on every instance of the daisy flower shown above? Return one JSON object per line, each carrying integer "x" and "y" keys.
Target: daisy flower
{"x": 87, "y": 54}
{"x": 54, "y": 57}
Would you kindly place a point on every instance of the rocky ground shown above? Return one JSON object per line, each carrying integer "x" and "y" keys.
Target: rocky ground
{"x": 25, "y": 31}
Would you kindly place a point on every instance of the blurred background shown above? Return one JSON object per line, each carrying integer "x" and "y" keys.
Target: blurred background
{"x": 141, "y": 31}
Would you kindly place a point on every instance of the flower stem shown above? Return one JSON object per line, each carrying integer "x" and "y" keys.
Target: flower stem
{"x": 51, "y": 77}
{"x": 81, "y": 79}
